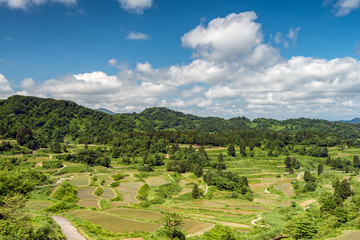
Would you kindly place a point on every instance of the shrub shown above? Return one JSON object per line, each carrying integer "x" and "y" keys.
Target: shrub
{"x": 98, "y": 191}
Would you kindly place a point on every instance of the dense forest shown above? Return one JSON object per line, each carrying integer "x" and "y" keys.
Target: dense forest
{"x": 38, "y": 122}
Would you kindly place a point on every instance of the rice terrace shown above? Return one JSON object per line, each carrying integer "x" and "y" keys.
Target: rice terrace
{"x": 253, "y": 183}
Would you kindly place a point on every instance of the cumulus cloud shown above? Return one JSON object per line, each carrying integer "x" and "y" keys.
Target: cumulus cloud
{"x": 225, "y": 38}
{"x": 23, "y": 4}
{"x": 137, "y": 6}
{"x": 137, "y": 36}
{"x": 343, "y": 7}
{"x": 5, "y": 88}
{"x": 233, "y": 73}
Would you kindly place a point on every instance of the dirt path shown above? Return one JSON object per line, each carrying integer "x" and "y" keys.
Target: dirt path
{"x": 171, "y": 177}
{"x": 206, "y": 190}
{"x": 68, "y": 229}
{"x": 253, "y": 222}
{"x": 299, "y": 176}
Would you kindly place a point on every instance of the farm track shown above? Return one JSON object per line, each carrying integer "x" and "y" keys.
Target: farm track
{"x": 253, "y": 222}
{"x": 68, "y": 229}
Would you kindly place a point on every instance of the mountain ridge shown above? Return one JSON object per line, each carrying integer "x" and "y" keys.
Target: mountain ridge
{"x": 57, "y": 119}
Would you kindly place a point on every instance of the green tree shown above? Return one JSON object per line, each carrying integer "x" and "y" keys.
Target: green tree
{"x": 287, "y": 162}
{"x": 356, "y": 161}
{"x": 24, "y": 136}
{"x": 172, "y": 223}
{"x": 220, "y": 158}
{"x": 343, "y": 190}
{"x": 320, "y": 169}
{"x": 301, "y": 226}
{"x": 308, "y": 176}
{"x": 196, "y": 192}
{"x": 242, "y": 148}
{"x": 197, "y": 170}
{"x": 231, "y": 150}
{"x": 220, "y": 164}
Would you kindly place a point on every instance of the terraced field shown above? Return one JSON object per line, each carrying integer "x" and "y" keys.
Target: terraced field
{"x": 128, "y": 191}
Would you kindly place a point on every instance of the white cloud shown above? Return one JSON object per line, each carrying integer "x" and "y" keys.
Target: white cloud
{"x": 5, "y": 88}
{"x": 23, "y": 4}
{"x": 193, "y": 91}
{"x": 137, "y": 36}
{"x": 226, "y": 38}
{"x": 293, "y": 34}
{"x": 253, "y": 79}
{"x": 345, "y": 7}
{"x": 137, "y": 6}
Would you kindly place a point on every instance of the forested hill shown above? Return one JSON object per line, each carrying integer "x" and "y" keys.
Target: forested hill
{"x": 50, "y": 119}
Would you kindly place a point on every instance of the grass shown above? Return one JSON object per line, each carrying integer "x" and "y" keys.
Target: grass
{"x": 38, "y": 205}
{"x": 114, "y": 223}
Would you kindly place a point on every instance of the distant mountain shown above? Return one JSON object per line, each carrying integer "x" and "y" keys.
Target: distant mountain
{"x": 104, "y": 110}
{"x": 354, "y": 121}
{"x": 51, "y": 119}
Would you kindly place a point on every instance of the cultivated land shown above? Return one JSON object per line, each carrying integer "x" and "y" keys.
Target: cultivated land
{"x": 124, "y": 215}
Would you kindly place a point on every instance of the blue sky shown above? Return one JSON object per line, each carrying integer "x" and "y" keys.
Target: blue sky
{"x": 257, "y": 58}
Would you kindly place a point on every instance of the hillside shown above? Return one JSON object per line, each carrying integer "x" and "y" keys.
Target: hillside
{"x": 50, "y": 119}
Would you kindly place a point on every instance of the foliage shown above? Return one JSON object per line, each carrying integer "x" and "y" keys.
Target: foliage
{"x": 90, "y": 157}
{"x": 98, "y": 191}
{"x": 118, "y": 176}
{"x": 167, "y": 190}
{"x": 66, "y": 192}
{"x": 52, "y": 164}
{"x": 301, "y": 226}
{"x": 20, "y": 181}
{"x": 228, "y": 181}
{"x": 196, "y": 192}
{"x": 171, "y": 222}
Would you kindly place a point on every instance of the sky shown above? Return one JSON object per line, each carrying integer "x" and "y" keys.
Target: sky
{"x": 256, "y": 58}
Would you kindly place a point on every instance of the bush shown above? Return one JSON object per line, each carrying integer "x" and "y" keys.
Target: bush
{"x": 98, "y": 191}
{"x": 114, "y": 184}
{"x": 143, "y": 192}
{"x": 52, "y": 164}
{"x": 60, "y": 206}
{"x": 67, "y": 193}
{"x": 118, "y": 176}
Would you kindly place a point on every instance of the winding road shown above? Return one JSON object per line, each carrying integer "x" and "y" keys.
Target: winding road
{"x": 68, "y": 229}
